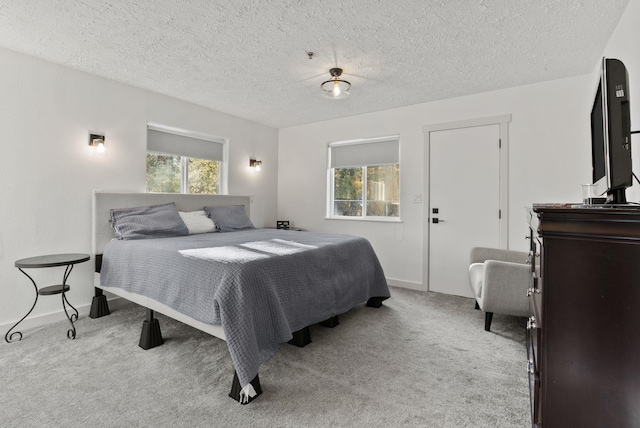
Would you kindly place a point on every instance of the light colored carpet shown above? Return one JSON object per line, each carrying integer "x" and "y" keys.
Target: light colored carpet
{"x": 422, "y": 360}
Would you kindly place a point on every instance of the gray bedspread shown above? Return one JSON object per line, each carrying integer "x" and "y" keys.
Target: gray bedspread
{"x": 260, "y": 284}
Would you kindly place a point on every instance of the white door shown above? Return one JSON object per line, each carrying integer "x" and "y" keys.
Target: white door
{"x": 464, "y": 202}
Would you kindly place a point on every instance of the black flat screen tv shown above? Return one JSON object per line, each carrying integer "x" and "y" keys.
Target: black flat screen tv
{"x": 611, "y": 132}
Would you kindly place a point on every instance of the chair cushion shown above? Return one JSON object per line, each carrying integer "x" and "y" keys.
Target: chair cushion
{"x": 476, "y": 275}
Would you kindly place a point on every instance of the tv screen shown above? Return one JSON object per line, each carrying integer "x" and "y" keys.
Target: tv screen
{"x": 597, "y": 138}
{"x": 611, "y": 132}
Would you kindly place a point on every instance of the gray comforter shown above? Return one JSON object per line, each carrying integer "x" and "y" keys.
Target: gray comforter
{"x": 260, "y": 284}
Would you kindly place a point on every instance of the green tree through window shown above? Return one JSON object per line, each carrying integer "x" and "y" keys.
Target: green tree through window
{"x": 203, "y": 176}
{"x": 176, "y": 174}
{"x": 382, "y": 185}
{"x": 347, "y": 196}
{"x": 163, "y": 173}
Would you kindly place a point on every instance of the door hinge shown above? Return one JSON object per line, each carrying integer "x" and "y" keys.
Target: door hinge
{"x": 499, "y": 214}
{"x": 499, "y": 143}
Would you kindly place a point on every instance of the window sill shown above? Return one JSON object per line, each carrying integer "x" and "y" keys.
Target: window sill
{"x": 371, "y": 219}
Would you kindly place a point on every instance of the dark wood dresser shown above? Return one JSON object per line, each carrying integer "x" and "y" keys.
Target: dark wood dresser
{"x": 583, "y": 339}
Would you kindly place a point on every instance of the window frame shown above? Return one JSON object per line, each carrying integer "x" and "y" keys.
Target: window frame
{"x": 331, "y": 182}
{"x": 223, "y": 188}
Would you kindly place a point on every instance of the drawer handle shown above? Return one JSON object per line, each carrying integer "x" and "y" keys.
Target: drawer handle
{"x": 532, "y": 255}
{"x": 531, "y": 291}
{"x": 531, "y": 323}
{"x": 530, "y": 367}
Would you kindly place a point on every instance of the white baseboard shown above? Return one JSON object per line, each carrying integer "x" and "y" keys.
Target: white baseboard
{"x": 59, "y": 315}
{"x": 405, "y": 284}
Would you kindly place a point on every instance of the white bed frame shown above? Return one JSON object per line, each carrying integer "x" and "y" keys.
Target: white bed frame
{"x": 103, "y": 233}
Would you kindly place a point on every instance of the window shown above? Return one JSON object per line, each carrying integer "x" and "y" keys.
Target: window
{"x": 184, "y": 162}
{"x": 364, "y": 179}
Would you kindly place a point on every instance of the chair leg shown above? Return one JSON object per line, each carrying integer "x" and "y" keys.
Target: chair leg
{"x": 477, "y": 305}
{"x": 488, "y": 316}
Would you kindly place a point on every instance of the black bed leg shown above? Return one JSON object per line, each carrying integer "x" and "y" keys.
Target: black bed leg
{"x": 150, "y": 337}
{"x": 99, "y": 305}
{"x": 375, "y": 302}
{"x": 301, "y": 338}
{"x": 331, "y": 322}
{"x": 236, "y": 388}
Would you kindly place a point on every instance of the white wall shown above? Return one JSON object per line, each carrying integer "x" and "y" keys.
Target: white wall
{"x": 549, "y": 158}
{"x": 47, "y": 111}
{"x": 47, "y": 174}
{"x": 623, "y": 45}
{"x": 549, "y": 155}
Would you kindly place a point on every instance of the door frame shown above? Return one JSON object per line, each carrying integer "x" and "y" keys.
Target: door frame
{"x": 503, "y": 159}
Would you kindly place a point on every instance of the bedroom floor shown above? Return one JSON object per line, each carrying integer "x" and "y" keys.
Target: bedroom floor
{"x": 422, "y": 360}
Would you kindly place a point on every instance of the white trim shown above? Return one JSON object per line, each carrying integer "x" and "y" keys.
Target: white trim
{"x": 395, "y": 137}
{"x": 331, "y": 184}
{"x": 184, "y": 174}
{"x": 469, "y": 123}
{"x": 378, "y": 219}
{"x": 186, "y": 133}
{"x": 405, "y": 284}
{"x": 503, "y": 122}
{"x": 223, "y": 170}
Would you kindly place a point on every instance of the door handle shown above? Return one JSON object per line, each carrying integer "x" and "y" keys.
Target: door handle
{"x": 437, "y": 220}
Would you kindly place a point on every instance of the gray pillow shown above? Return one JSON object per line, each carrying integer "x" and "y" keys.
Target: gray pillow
{"x": 229, "y": 218}
{"x": 157, "y": 221}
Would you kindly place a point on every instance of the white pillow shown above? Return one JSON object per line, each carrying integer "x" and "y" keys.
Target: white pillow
{"x": 197, "y": 222}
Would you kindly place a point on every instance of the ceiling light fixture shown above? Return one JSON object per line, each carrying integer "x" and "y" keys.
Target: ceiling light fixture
{"x": 335, "y": 88}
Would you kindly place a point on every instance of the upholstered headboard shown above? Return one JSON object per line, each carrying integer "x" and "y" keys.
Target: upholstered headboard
{"x": 104, "y": 202}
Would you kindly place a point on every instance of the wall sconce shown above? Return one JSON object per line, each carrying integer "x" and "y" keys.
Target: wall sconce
{"x": 255, "y": 164}
{"x": 96, "y": 142}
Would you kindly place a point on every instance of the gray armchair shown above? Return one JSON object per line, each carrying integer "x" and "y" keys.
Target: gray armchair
{"x": 499, "y": 280}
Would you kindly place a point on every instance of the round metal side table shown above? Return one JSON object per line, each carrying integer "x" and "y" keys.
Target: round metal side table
{"x": 52, "y": 260}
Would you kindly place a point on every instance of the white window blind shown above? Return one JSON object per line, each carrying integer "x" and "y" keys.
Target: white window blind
{"x": 354, "y": 154}
{"x": 181, "y": 145}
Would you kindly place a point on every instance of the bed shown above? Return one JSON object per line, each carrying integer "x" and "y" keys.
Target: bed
{"x": 257, "y": 289}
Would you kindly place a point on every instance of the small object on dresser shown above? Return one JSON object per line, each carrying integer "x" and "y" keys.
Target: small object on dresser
{"x": 590, "y": 195}
{"x": 282, "y": 224}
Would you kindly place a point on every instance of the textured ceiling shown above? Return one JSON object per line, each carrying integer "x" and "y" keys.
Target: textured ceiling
{"x": 248, "y": 58}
